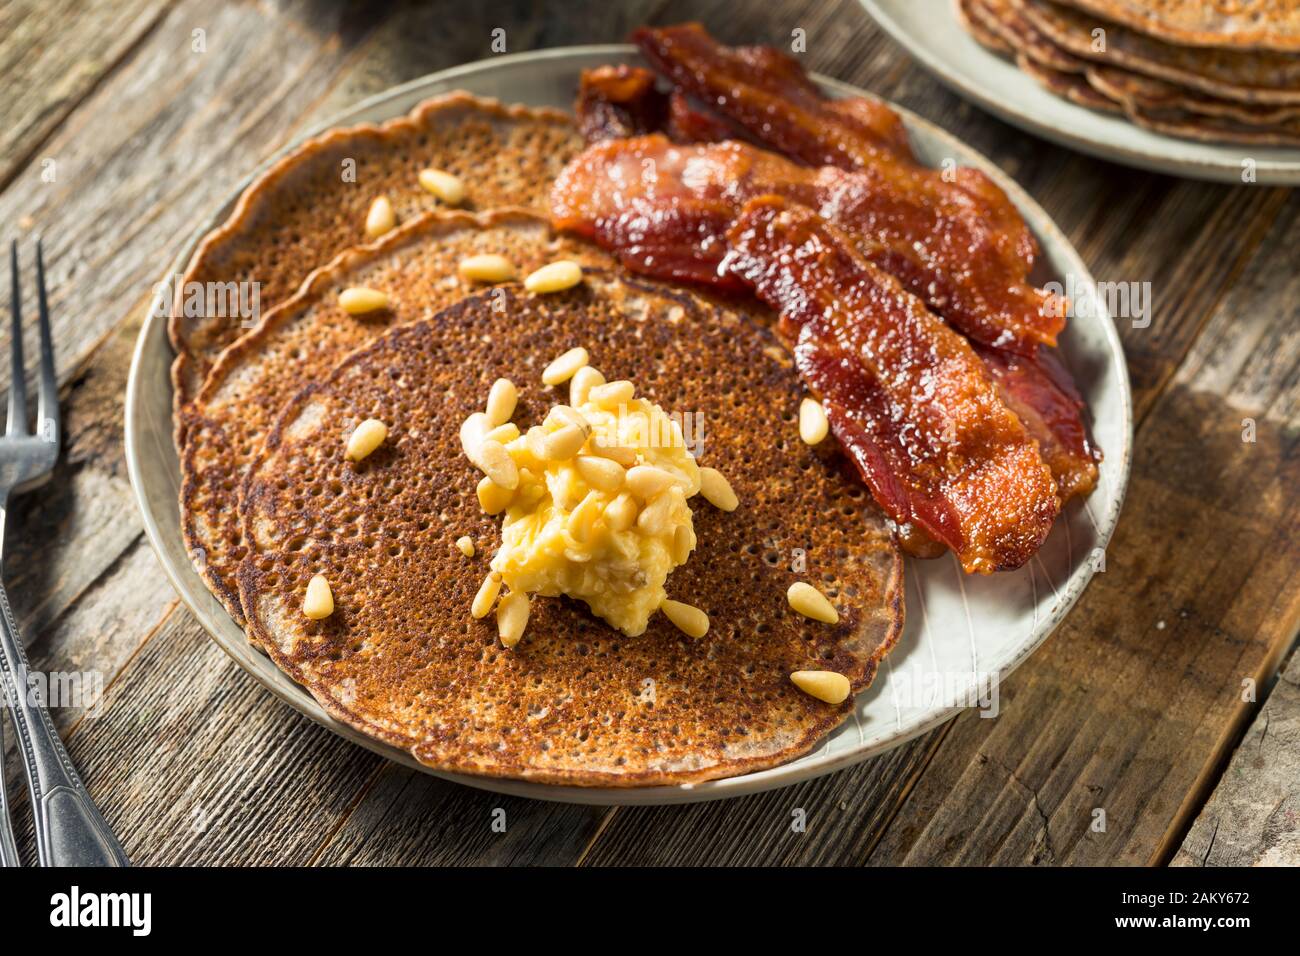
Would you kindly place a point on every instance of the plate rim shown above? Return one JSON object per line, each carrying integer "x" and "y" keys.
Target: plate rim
{"x": 772, "y": 778}
{"x": 1270, "y": 172}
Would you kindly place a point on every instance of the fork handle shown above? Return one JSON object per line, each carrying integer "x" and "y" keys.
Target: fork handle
{"x": 70, "y": 831}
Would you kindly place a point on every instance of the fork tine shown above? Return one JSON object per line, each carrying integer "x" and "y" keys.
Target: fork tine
{"x": 47, "y": 402}
{"x": 16, "y": 424}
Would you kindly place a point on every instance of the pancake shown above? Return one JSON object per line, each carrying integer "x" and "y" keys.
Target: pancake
{"x": 1248, "y": 77}
{"x": 1244, "y": 24}
{"x": 1146, "y": 93}
{"x": 1020, "y": 36}
{"x": 575, "y": 702}
{"x": 1072, "y": 86}
{"x": 968, "y": 14}
{"x": 304, "y": 338}
{"x": 312, "y": 204}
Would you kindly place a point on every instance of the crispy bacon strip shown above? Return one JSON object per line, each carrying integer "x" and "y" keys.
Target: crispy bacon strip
{"x": 658, "y": 203}
{"x": 906, "y": 395}
{"x": 769, "y": 95}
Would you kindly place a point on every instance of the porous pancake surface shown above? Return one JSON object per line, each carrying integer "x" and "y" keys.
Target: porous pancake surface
{"x": 575, "y": 701}
{"x": 303, "y": 339}
{"x": 312, "y": 204}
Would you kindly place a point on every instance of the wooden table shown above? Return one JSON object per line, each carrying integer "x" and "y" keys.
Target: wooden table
{"x": 1128, "y": 738}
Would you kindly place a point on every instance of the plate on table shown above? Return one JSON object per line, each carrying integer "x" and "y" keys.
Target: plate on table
{"x": 931, "y": 31}
{"x": 960, "y": 629}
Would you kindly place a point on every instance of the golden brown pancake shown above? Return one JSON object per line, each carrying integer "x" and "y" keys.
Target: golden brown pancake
{"x": 312, "y": 204}
{"x": 1244, "y": 24}
{"x": 304, "y": 338}
{"x": 1257, "y": 76}
{"x": 575, "y": 702}
{"x": 970, "y": 16}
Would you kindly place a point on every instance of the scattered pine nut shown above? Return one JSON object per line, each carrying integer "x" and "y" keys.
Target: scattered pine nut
{"x": 691, "y": 621}
{"x": 466, "y": 545}
{"x": 813, "y": 425}
{"x": 486, "y": 596}
{"x": 563, "y": 443}
{"x": 359, "y": 300}
{"x": 824, "y": 685}
{"x": 381, "y": 218}
{"x": 501, "y": 402}
{"x": 444, "y": 185}
{"x": 601, "y": 473}
{"x": 647, "y": 481}
{"x": 492, "y": 498}
{"x": 318, "y": 603}
{"x": 583, "y": 381}
{"x": 564, "y": 367}
{"x": 365, "y": 438}
{"x": 717, "y": 490}
{"x": 488, "y": 267}
{"x": 512, "y": 617}
{"x": 810, "y": 602}
{"x": 612, "y": 394}
{"x": 554, "y": 277}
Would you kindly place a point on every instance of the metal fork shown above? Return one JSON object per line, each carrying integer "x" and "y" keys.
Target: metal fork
{"x": 69, "y": 828}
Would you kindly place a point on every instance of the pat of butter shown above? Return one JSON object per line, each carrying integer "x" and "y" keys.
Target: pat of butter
{"x": 601, "y": 545}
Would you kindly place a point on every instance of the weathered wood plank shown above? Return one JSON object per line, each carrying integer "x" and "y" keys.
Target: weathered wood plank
{"x": 52, "y": 54}
{"x": 1253, "y": 819}
{"x": 193, "y": 762}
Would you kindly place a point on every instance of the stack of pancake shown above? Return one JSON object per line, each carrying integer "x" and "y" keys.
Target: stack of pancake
{"x": 269, "y": 501}
{"x": 1212, "y": 70}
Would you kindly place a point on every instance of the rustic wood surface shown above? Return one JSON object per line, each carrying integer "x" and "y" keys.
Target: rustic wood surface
{"x": 1112, "y": 738}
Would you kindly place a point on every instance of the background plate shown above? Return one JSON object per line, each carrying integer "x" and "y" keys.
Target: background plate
{"x": 930, "y": 31}
{"x": 960, "y": 630}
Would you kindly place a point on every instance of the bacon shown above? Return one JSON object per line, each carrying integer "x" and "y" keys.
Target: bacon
{"x": 906, "y": 396}
{"x": 646, "y": 197}
{"x": 616, "y": 102}
{"x": 1040, "y": 392}
{"x": 769, "y": 95}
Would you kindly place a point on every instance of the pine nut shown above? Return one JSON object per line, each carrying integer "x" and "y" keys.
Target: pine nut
{"x": 365, "y": 438}
{"x": 555, "y": 277}
{"x": 360, "y": 300}
{"x": 501, "y": 401}
{"x": 493, "y": 460}
{"x": 582, "y": 520}
{"x": 486, "y": 596}
{"x": 601, "y": 473}
{"x": 622, "y": 454}
{"x": 813, "y": 425}
{"x": 583, "y": 381}
{"x": 505, "y": 434}
{"x": 444, "y": 185}
{"x": 621, "y": 513}
{"x": 492, "y": 498}
{"x": 646, "y": 481}
{"x": 612, "y": 394}
{"x": 564, "y": 367}
{"x": 569, "y": 416}
{"x": 691, "y": 621}
{"x": 656, "y": 517}
{"x": 488, "y": 267}
{"x": 318, "y": 603}
{"x": 563, "y": 443}
{"x": 466, "y": 545}
{"x": 810, "y": 602}
{"x": 381, "y": 218}
{"x": 717, "y": 490}
{"x": 473, "y": 430}
{"x": 824, "y": 685}
{"x": 512, "y": 617}
{"x": 683, "y": 544}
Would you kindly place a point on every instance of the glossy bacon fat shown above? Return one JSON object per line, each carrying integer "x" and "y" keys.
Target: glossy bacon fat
{"x": 906, "y": 396}
{"x": 660, "y": 203}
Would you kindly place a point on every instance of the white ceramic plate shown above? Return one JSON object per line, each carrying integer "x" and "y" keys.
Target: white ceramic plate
{"x": 959, "y": 629}
{"x": 931, "y": 31}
